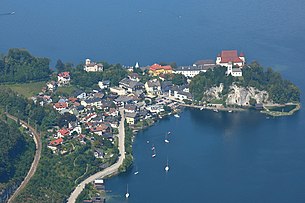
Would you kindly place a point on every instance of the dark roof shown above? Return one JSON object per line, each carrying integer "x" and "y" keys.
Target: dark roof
{"x": 131, "y": 115}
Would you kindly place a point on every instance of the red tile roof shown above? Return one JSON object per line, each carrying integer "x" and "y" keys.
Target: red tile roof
{"x": 230, "y": 56}
{"x": 64, "y": 74}
{"x": 156, "y": 66}
{"x": 61, "y": 105}
{"x": 64, "y": 132}
{"x": 56, "y": 142}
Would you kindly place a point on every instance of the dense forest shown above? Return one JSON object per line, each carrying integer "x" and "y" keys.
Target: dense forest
{"x": 280, "y": 90}
{"x": 27, "y": 110}
{"x": 20, "y": 66}
{"x": 16, "y": 152}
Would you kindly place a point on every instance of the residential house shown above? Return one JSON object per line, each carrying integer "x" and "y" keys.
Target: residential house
{"x": 93, "y": 67}
{"x": 60, "y": 106}
{"x": 130, "y": 108}
{"x": 131, "y": 118}
{"x": 55, "y": 143}
{"x": 80, "y": 94}
{"x": 134, "y": 77}
{"x": 118, "y": 90}
{"x": 63, "y": 133}
{"x": 123, "y": 100}
{"x": 155, "y": 108}
{"x": 130, "y": 85}
{"x": 97, "y": 102}
{"x": 180, "y": 93}
{"x": 157, "y": 69}
{"x": 51, "y": 86}
{"x": 98, "y": 153}
{"x": 104, "y": 84}
{"x": 63, "y": 78}
{"x": 153, "y": 88}
{"x": 101, "y": 129}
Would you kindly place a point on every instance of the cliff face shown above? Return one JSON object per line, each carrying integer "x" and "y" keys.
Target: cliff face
{"x": 237, "y": 95}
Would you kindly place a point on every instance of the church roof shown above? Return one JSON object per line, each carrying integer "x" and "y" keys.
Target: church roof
{"x": 230, "y": 56}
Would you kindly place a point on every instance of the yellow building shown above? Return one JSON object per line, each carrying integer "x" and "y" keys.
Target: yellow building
{"x": 157, "y": 69}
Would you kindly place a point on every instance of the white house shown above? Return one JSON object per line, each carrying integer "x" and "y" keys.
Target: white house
{"x": 63, "y": 78}
{"x": 227, "y": 56}
{"x": 153, "y": 88}
{"x": 104, "y": 84}
{"x": 93, "y": 67}
{"x": 118, "y": 90}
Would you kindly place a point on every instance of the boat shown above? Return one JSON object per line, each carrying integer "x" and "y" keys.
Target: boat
{"x": 127, "y": 193}
{"x": 166, "y": 140}
{"x": 12, "y": 13}
{"x": 147, "y": 141}
{"x": 169, "y": 132}
{"x": 201, "y": 108}
{"x": 136, "y": 172}
{"x": 153, "y": 147}
{"x": 167, "y": 166}
{"x": 230, "y": 111}
{"x": 215, "y": 110}
{"x": 177, "y": 116}
{"x": 154, "y": 153}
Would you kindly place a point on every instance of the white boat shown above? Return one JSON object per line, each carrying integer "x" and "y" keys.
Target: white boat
{"x": 177, "y": 116}
{"x": 12, "y": 13}
{"x": 127, "y": 193}
{"x": 169, "y": 132}
{"x": 166, "y": 141}
{"x": 154, "y": 153}
{"x": 230, "y": 111}
{"x": 136, "y": 172}
{"x": 166, "y": 167}
{"x": 215, "y": 110}
{"x": 153, "y": 147}
{"x": 201, "y": 108}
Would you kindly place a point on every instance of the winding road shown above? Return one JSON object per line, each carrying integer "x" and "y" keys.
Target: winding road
{"x": 35, "y": 162}
{"x": 107, "y": 171}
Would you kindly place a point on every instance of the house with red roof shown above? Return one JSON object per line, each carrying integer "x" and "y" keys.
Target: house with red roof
{"x": 63, "y": 78}
{"x": 63, "y": 132}
{"x": 54, "y": 144}
{"x": 60, "y": 106}
{"x": 228, "y": 57}
{"x": 157, "y": 69}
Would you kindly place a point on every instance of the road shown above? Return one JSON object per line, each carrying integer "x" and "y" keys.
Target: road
{"x": 107, "y": 171}
{"x": 35, "y": 162}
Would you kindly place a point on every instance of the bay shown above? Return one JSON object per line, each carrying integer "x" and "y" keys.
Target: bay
{"x": 217, "y": 157}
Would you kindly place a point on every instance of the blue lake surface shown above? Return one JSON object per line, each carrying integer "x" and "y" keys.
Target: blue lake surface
{"x": 213, "y": 157}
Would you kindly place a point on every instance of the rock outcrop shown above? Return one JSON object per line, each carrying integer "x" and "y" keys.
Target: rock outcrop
{"x": 242, "y": 96}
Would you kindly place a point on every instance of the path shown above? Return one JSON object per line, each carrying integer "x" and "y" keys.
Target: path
{"x": 35, "y": 162}
{"x": 107, "y": 171}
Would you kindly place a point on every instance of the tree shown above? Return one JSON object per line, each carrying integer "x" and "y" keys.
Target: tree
{"x": 60, "y": 66}
{"x": 179, "y": 79}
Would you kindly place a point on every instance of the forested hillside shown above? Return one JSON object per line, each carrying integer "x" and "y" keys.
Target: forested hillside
{"x": 16, "y": 152}
{"x": 20, "y": 66}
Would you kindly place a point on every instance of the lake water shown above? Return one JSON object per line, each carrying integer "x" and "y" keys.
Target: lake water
{"x": 213, "y": 157}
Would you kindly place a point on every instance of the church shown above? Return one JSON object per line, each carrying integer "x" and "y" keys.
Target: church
{"x": 231, "y": 60}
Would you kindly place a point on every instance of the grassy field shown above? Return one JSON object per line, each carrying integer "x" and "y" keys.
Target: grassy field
{"x": 26, "y": 89}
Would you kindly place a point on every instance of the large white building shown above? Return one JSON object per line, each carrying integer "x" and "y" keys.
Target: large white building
{"x": 234, "y": 71}
{"x": 92, "y": 66}
{"x": 227, "y": 56}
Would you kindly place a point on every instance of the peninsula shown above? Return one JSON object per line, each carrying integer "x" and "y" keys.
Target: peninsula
{"x": 87, "y": 113}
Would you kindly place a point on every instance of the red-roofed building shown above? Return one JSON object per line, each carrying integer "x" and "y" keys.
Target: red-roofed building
{"x": 63, "y": 78}
{"x": 157, "y": 69}
{"x": 56, "y": 142}
{"x": 60, "y": 106}
{"x": 227, "y": 57}
{"x": 63, "y": 132}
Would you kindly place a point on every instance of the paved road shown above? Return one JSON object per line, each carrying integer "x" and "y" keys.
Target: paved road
{"x": 107, "y": 171}
{"x": 35, "y": 162}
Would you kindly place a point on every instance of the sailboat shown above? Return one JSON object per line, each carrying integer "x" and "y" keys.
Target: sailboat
{"x": 136, "y": 172}
{"x": 127, "y": 193}
{"x": 166, "y": 140}
{"x": 153, "y": 147}
{"x": 166, "y": 167}
{"x": 154, "y": 153}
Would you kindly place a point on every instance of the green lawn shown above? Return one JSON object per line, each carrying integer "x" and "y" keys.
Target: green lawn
{"x": 26, "y": 89}
{"x": 66, "y": 90}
